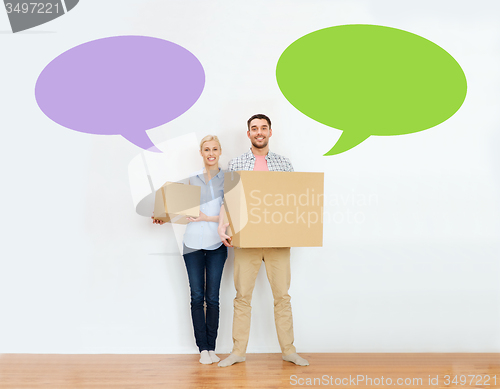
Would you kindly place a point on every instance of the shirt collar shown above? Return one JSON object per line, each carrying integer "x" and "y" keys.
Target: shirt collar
{"x": 250, "y": 155}
{"x": 200, "y": 174}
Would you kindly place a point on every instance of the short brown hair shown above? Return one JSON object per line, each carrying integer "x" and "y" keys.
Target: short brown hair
{"x": 259, "y": 116}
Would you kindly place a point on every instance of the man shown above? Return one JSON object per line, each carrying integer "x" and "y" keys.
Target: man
{"x": 248, "y": 261}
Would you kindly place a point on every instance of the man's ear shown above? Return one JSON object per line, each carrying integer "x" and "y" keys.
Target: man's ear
{"x": 270, "y": 132}
{"x": 248, "y": 134}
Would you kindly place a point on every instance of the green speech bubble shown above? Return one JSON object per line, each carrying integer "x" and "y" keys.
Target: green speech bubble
{"x": 370, "y": 80}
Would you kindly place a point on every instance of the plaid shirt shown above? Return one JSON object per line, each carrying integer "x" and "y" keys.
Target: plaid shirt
{"x": 275, "y": 162}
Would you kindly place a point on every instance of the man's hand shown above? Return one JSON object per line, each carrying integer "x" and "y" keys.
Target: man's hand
{"x": 157, "y": 221}
{"x": 226, "y": 239}
{"x": 201, "y": 218}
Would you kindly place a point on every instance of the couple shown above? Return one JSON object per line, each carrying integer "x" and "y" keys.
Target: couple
{"x": 205, "y": 253}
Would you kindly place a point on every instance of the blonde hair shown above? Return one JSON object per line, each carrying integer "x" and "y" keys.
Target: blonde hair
{"x": 209, "y": 138}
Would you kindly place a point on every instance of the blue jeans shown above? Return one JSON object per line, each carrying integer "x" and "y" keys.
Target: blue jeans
{"x": 204, "y": 268}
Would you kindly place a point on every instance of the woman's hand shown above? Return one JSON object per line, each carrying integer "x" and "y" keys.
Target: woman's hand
{"x": 201, "y": 218}
{"x": 226, "y": 239}
{"x": 160, "y": 222}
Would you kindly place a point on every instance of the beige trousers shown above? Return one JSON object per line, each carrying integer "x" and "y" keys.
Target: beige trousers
{"x": 246, "y": 266}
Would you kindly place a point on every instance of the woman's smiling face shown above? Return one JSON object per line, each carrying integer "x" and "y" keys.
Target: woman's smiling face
{"x": 210, "y": 151}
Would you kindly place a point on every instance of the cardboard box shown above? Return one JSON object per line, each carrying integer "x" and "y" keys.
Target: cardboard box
{"x": 274, "y": 209}
{"x": 174, "y": 202}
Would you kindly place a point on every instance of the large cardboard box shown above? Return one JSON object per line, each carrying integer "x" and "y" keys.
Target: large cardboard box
{"x": 174, "y": 202}
{"x": 274, "y": 209}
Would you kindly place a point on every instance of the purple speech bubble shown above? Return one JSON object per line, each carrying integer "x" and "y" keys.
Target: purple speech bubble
{"x": 120, "y": 85}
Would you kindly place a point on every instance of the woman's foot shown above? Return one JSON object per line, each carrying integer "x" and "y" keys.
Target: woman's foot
{"x": 213, "y": 356}
{"x": 205, "y": 358}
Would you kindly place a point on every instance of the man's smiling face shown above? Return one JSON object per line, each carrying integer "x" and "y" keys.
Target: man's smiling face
{"x": 259, "y": 133}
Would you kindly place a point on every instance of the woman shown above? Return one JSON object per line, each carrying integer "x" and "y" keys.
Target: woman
{"x": 204, "y": 254}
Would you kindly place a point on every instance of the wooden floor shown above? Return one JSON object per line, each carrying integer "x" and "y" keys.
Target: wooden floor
{"x": 19, "y": 371}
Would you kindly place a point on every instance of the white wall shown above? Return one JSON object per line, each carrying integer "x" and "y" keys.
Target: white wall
{"x": 411, "y": 258}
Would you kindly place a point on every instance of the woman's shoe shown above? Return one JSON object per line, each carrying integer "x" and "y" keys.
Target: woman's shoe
{"x": 213, "y": 356}
{"x": 205, "y": 358}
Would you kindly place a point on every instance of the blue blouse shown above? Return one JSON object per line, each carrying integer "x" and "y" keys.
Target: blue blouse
{"x": 203, "y": 235}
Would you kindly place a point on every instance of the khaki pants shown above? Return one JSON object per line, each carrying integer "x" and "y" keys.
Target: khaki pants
{"x": 246, "y": 266}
